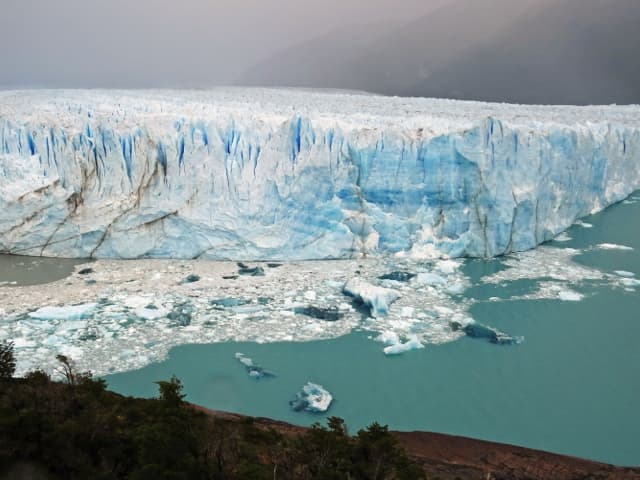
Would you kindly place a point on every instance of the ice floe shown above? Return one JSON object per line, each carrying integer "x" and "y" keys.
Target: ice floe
{"x": 473, "y": 329}
{"x": 567, "y": 295}
{"x": 582, "y": 224}
{"x": 563, "y": 237}
{"x": 254, "y": 370}
{"x": 395, "y": 346}
{"x": 614, "y": 246}
{"x": 624, "y": 273}
{"x": 136, "y": 311}
{"x": 312, "y": 398}
{"x": 377, "y": 299}
{"x": 71, "y": 312}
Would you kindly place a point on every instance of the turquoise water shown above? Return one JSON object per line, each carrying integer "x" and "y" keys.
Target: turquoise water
{"x": 572, "y": 387}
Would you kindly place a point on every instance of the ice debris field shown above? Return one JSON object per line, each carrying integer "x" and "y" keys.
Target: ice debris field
{"x": 257, "y": 174}
{"x": 121, "y": 315}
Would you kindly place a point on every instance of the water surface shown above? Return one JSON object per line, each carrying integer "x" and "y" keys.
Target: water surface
{"x": 572, "y": 387}
{"x": 17, "y": 270}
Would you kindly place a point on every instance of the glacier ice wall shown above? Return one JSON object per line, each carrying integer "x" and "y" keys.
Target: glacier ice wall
{"x": 278, "y": 174}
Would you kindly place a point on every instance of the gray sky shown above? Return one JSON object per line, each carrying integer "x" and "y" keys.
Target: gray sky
{"x": 528, "y": 51}
{"x": 133, "y": 43}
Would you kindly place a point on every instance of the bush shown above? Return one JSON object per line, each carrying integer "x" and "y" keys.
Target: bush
{"x": 7, "y": 360}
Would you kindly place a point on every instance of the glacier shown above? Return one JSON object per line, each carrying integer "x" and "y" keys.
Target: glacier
{"x": 256, "y": 174}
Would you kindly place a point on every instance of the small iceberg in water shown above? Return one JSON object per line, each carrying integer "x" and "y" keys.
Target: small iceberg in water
{"x": 473, "y": 329}
{"x": 312, "y": 398}
{"x": 254, "y": 370}
{"x": 614, "y": 246}
{"x": 395, "y": 346}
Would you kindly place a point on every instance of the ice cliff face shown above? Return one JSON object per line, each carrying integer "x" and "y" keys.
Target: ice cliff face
{"x": 277, "y": 174}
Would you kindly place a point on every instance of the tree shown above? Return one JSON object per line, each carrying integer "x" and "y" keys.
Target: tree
{"x": 67, "y": 369}
{"x": 171, "y": 391}
{"x": 338, "y": 426}
{"x": 7, "y": 360}
{"x": 380, "y": 455}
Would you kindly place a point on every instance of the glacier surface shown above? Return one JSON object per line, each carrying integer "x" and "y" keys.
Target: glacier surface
{"x": 282, "y": 174}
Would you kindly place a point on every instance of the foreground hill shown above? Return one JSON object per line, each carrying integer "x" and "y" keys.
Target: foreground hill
{"x": 78, "y": 429}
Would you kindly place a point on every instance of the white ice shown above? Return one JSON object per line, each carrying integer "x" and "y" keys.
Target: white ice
{"x": 319, "y": 400}
{"x": 289, "y": 174}
{"x": 72, "y": 312}
{"x": 378, "y": 299}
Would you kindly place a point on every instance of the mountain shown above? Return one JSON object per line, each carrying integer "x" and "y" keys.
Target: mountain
{"x": 564, "y": 52}
{"x": 568, "y": 52}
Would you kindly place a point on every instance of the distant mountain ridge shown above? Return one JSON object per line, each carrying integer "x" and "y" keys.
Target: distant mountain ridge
{"x": 542, "y": 51}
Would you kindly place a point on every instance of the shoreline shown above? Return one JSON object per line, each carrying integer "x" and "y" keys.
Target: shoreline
{"x": 451, "y": 456}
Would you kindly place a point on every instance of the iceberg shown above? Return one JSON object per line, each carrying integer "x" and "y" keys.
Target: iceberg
{"x": 312, "y": 398}
{"x": 613, "y": 246}
{"x": 256, "y": 174}
{"x": 377, "y": 299}
{"x": 253, "y": 370}
{"x": 473, "y": 329}
{"x": 395, "y": 346}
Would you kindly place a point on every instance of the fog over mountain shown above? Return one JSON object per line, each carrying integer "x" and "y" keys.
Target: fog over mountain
{"x": 156, "y": 43}
{"x": 535, "y": 51}
{"x": 529, "y": 51}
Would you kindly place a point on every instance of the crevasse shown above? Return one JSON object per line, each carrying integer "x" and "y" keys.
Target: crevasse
{"x": 285, "y": 175}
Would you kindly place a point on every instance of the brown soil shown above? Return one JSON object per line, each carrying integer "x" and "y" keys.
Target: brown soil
{"x": 450, "y": 457}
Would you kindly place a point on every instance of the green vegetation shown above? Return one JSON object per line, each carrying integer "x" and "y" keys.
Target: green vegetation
{"x": 7, "y": 360}
{"x": 77, "y": 429}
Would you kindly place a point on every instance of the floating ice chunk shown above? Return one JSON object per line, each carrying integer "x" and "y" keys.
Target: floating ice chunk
{"x": 569, "y": 296}
{"x": 72, "y": 351}
{"x": 624, "y": 273}
{"x": 182, "y": 313}
{"x": 433, "y": 279}
{"x": 376, "y": 298}
{"x": 191, "y": 279}
{"x": 136, "y": 301}
{"x": 70, "y": 326}
{"x": 23, "y": 343}
{"x": 630, "y": 282}
{"x": 455, "y": 289}
{"x": 244, "y": 269}
{"x": 397, "y": 276}
{"x": 421, "y": 251}
{"x": 312, "y": 398}
{"x": 582, "y": 224}
{"x": 563, "y": 237}
{"x": 72, "y": 312}
{"x": 473, "y": 329}
{"x": 149, "y": 313}
{"x": 310, "y": 295}
{"x": 331, "y": 314}
{"x": 448, "y": 267}
{"x": 254, "y": 370}
{"x": 407, "y": 311}
{"x": 229, "y": 302}
{"x": 388, "y": 337}
{"x": 397, "y": 348}
{"x": 614, "y": 246}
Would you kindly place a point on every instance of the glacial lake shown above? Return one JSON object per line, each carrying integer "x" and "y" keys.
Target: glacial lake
{"x": 572, "y": 386}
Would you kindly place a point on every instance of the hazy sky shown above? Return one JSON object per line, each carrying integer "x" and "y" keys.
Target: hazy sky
{"x": 124, "y": 43}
